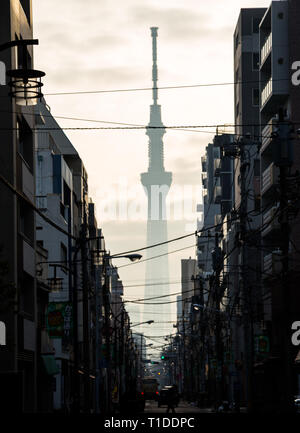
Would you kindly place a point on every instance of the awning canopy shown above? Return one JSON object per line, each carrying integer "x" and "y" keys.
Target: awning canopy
{"x": 50, "y": 364}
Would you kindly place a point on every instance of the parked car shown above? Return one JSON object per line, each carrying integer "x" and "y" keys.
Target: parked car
{"x": 149, "y": 388}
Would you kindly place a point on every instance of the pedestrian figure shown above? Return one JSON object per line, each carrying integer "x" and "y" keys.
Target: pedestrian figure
{"x": 172, "y": 399}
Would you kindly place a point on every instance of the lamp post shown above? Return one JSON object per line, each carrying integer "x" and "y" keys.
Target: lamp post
{"x": 25, "y": 83}
{"x": 141, "y": 323}
{"x": 103, "y": 261}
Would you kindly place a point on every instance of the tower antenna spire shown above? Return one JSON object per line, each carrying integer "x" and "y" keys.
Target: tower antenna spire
{"x": 154, "y": 65}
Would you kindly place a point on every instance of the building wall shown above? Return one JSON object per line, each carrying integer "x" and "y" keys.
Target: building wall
{"x": 17, "y": 236}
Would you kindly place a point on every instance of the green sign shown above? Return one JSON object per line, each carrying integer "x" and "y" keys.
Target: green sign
{"x": 262, "y": 344}
{"x": 59, "y": 320}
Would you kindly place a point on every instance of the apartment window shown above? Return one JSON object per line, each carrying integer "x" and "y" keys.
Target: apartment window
{"x": 26, "y": 221}
{"x": 63, "y": 254}
{"x": 26, "y": 298}
{"x": 25, "y": 141}
{"x": 255, "y": 97}
{"x": 255, "y": 61}
{"x": 255, "y": 25}
{"x": 256, "y": 167}
{"x": 257, "y": 204}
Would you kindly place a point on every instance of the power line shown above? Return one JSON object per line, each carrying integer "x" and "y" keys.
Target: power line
{"x": 187, "y": 86}
{"x": 155, "y": 257}
{"x": 140, "y": 127}
{"x": 41, "y": 214}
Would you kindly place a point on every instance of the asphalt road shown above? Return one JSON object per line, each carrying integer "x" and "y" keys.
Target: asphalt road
{"x": 183, "y": 407}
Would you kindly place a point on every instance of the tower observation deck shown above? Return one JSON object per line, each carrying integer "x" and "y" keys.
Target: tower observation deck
{"x": 156, "y": 182}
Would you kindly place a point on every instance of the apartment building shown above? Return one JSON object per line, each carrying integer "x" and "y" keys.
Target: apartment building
{"x": 279, "y": 49}
{"x": 19, "y": 357}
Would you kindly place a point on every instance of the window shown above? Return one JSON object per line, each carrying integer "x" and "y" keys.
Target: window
{"x": 64, "y": 256}
{"x": 255, "y": 97}
{"x": 26, "y": 221}
{"x": 255, "y": 25}
{"x": 255, "y": 61}
{"x": 256, "y": 167}
{"x": 25, "y": 142}
{"x": 257, "y": 204}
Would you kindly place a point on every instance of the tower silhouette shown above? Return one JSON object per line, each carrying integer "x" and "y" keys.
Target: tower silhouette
{"x": 156, "y": 182}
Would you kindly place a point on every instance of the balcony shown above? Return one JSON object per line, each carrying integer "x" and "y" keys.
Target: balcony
{"x": 27, "y": 182}
{"x": 270, "y": 221}
{"x": 217, "y": 166}
{"x": 267, "y": 92}
{"x": 41, "y": 202}
{"x": 266, "y": 49}
{"x": 218, "y": 222}
{"x": 272, "y": 264}
{"x": 217, "y": 194}
{"x": 270, "y": 178}
{"x": 28, "y": 259}
{"x": 266, "y": 134}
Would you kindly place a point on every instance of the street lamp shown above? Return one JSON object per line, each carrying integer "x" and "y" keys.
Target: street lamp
{"x": 131, "y": 257}
{"x": 55, "y": 283}
{"x": 148, "y": 322}
{"x": 101, "y": 259}
{"x": 25, "y": 83}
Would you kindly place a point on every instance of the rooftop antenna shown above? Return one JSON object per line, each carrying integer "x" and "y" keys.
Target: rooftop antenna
{"x": 154, "y": 66}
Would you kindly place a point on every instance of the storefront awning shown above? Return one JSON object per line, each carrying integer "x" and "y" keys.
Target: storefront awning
{"x": 50, "y": 364}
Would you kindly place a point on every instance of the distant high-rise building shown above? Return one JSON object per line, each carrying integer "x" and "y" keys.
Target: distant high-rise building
{"x": 156, "y": 182}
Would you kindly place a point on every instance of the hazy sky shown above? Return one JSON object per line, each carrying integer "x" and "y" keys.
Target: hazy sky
{"x": 88, "y": 45}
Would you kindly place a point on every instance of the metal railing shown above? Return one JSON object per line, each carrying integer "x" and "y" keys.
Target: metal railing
{"x": 265, "y": 51}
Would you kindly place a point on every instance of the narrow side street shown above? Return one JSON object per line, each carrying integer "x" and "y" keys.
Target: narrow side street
{"x": 183, "y": 407}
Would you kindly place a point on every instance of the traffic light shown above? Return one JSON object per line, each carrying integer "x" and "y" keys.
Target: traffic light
{"x": 164, "y": 357}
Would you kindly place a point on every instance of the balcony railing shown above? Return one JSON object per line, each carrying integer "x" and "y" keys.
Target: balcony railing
{"x": 218, "y": 194}
{"x": 217, "y": 166}
{"x": 218, "y": 222}
{"x": 267, "y": 91}
{"x": 270, "y": 177}
{"x": 272, "y": 264}
{"x": 41, "y": 202}
{"x": 265, "y": 51}
{"x": 270, "y": 221}
{"x": 266, "y": 134}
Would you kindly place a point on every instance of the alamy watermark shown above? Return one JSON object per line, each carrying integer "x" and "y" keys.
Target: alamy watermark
{"x": 2, "y": 334}
{"x": 124, "y": 202}
{"x": 296, "y": 334}
{"x": 2, "y": 74}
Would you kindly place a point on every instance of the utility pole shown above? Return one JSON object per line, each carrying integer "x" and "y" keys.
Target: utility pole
{"x": 98, "y": 335}
{"x": 75, "y": 381}
{"x": 184, "y": 360}
{"x": 284, "y": 161}
{"x": 85, "y": 316}
{"x": 106, "y": 296}
{"x": 217, "y": 263}
{"x": 247, "y": 296}
{"x": 121, "y": 355}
